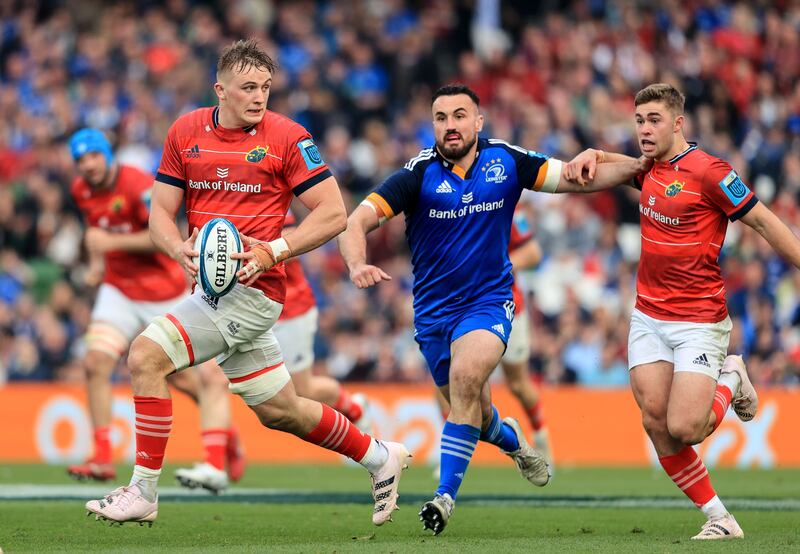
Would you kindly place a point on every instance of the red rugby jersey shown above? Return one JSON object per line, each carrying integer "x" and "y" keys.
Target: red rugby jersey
{"x": 124, "y": 208}
{"x": 684, "y": 209}
{"x": 246, "y": 175}
{"x": 520, "y": 234}
{"x": 299, "y": 295}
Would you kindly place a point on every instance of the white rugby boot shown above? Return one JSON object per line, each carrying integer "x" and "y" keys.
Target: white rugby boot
{"x": 745, "y": 402}
{"x": 386, "y": 480}
{"x": 721, "y": 528}
{"x": 203, "y": 475}
{"x": 531, "y": 463}
{"x": 435, "y": 513}
{"x": 124, "y": 504}
{"x": 364, "y": 423}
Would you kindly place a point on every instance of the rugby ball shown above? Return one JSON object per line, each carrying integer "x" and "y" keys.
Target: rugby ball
{"x": 216, "y": 241}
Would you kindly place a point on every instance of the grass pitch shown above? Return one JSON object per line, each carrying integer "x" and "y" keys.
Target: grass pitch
{"x": 328, "y": 509}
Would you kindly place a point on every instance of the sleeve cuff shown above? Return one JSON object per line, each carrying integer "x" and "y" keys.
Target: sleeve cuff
{"x": 741, "y": 212}
{"x": 308, "y": 183}
{"x": 170, "y": 180}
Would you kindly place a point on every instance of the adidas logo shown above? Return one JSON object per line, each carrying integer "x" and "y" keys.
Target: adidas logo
{"x": 702, "y": 359}
{"x": 460, "y": 475}
{"x": 193, "y": 152}
{"x": 444, "y": 187}
{"x": 143, "y": 455}
{"x": 499, "y": 329}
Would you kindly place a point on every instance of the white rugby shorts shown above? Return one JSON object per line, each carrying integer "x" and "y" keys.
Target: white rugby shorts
{"x": 518, "y": 348}
{"x": 296, "y": 337}
{"x": 236, "y": 329}
{"x": 128, "y": 316}
{"x": 689, "y": 346}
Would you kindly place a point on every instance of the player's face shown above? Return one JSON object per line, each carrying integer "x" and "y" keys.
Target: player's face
{"x": 243, "y": 95}
{"x": 656, "y": 129}
{"x": 93, "y": 168}
{"x": 456, "y": 124}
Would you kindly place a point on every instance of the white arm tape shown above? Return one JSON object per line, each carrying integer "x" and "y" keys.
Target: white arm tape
{"x": 280, "y": 248}
{"x": 553, "y": 176}
{"x": 367, "y": 203}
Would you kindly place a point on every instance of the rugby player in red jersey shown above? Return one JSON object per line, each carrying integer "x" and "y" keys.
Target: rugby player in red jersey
{"x": 136, "y": 284}
{"x": 681, "y": 376}
{"x": 242, "y": 162}
{"x": 295, "y": 332}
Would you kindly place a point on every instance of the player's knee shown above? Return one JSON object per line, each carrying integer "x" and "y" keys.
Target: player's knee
{"x": 280, "y": 417}
{"x": 654, "y": 423}
{"x": 98, "y": 365}
{"x": 144, "y": 358}
{"x": 466, "y": 385}
{"x": 686, "y": 431}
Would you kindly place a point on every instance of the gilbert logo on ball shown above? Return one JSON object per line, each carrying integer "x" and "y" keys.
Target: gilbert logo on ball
{"x": 216, "y": 241}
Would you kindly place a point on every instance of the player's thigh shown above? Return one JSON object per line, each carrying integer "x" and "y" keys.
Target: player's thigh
{"x": 651, "y": 384}
{"x": 478, "y": 339}
{"x": 296, "y": 337}
{"x": 115, "y": 321}
{"x": 474, "y": 355}
{"x": 518, "y": 350}
{"x": 690, "y": 399}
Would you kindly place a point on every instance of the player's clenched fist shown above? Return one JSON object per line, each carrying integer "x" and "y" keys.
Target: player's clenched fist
{"x": 367, "y": 275}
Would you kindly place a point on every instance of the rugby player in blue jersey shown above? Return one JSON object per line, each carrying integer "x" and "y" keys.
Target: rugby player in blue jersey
{"x": 459, "y": 198}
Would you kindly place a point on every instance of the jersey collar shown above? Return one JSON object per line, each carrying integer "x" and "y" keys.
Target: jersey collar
{"x": 227, "y": 132}
{"x": 692, "y": 146}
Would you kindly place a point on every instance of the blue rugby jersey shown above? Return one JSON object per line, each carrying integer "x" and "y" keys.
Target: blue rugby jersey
{"x": 458, "y": 224}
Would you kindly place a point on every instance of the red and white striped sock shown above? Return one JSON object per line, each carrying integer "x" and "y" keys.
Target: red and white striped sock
{"x": 335, "y": 432}
{"x": 215, "y": 443}
{"x": 688, "y": 471}
{"x": 345, "y": 405}
{"x": 153, "y": 425}
{"x": 722, "y": 399}
{"x": 102, "y": 445}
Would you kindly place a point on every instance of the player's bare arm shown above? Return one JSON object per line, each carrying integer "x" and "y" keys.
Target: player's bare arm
{"x": 607, "y": 175}
{"x": 326, "y": 219}
{"x": 165, "y": 203}
{"x": 100, "y": 241}
{"x": 526, "y": 256}
{"x": 582, "y": 167}
{"x": 775, "y": 232}
{"x": 353, "y": 246}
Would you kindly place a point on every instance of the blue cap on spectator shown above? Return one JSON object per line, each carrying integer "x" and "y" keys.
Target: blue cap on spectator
{"x": 90, "y": 140}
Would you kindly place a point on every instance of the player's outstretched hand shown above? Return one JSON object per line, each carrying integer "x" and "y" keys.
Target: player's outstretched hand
{"x": 367, "y": 275}
{"x": 581, "y": 168}
{"x": 186, "y": 254}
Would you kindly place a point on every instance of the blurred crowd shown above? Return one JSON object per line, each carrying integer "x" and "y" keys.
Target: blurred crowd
{"x": 555, "y": 77}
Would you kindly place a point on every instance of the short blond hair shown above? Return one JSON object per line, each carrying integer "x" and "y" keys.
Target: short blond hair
{"x": 243, "y": 54}
{"x": 671, "y": 97}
